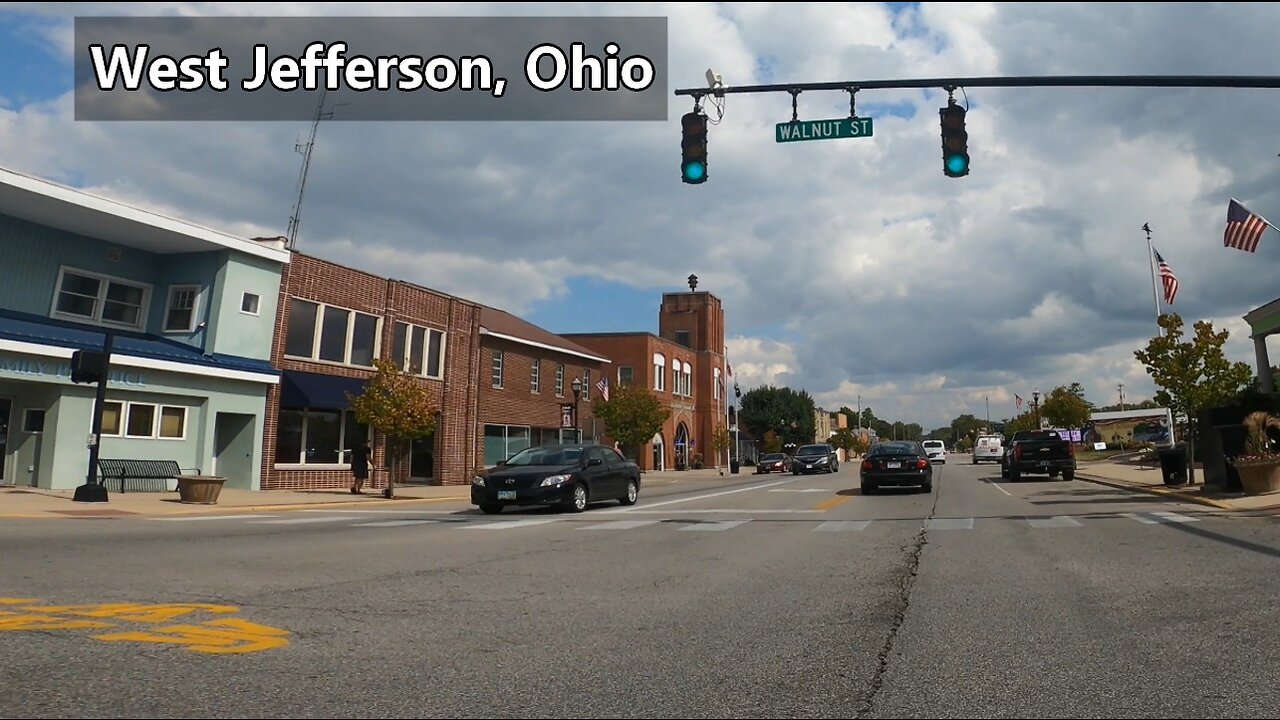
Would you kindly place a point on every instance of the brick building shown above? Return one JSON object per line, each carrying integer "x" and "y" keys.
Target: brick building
{"x": 684, "y": 366}
{"x": 526, "y": 376}
{"x": 332, "y": 322}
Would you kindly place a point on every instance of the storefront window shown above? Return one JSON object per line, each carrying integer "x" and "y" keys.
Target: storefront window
{"x": 141, "y": 420}
{"x": 318, "y": 437}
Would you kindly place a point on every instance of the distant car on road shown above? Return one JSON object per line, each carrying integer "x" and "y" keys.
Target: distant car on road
{"x": 1042, "y": 452}
{"x": 773, "y": 462}
{"x": 901, "y": 462}
{"x": 937, "y": 451}
{"x": 988, "y": 447}
{"x": 570, "y": 476}
{"x": 815, "y": 459}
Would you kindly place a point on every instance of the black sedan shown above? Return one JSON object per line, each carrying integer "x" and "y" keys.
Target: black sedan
{"x": 815, "y": 459}
{"x": 898, "y": 463}
{"x": 569, "y": 476}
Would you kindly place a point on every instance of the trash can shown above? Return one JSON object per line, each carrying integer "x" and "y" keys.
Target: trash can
{"x": 734, "y": 466}
{"x": 1173, "y": 465}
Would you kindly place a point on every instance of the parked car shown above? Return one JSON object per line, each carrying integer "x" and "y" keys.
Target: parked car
{"x": 937, "y": 451}
{"x": 773, "y": 462}
{"x": 815, "y": 459}
{"x": 899, "y": 463}
{"x": 570, "y": 476}
{"x": 1038, "y": 451}
{"x": 988, "y": 447}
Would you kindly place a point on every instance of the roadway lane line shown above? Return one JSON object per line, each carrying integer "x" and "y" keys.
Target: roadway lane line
{"x": 996, "y": 485}
{"x": 842, "y": 525}
{"x": 214, "y": 517}
{"x": 621, "y": 525}
{"x": 305, "y": 520}
{"x": 723, "y": 512}
{"x": 509, "y": 524}
{"x": 701, "y": 497}
{"x": 714, "y": 525}
{"x": 832, "y": 503}
{"x": 394, "y": 523}
{"x": 1057, "y": 521}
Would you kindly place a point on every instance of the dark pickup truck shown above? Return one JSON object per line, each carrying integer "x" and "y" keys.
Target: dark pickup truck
{"x": 1042, "y": 452}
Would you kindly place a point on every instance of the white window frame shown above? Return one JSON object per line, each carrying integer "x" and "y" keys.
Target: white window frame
{"x": 350, "y": 338}
{"x": 157, "y": 413}
{"x": 715, "y": 389}
{"x": 535, "y": 376}
{"x": 403, "y": 362}
{"x": 195, "y": 308}
{"x": 586, "y": 385}
{"x": 343, "y": 448}
{"x": 100, "y": 301}
{"x": 559, "y": 380}
{"x": 659, "y": 372}
{"x": 687, "y": 372}
{"x": 246, "y": 294}
{"x": 497, "y": 368}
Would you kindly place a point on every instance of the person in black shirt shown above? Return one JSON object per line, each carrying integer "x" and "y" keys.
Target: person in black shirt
{"x": 360, "y": 467}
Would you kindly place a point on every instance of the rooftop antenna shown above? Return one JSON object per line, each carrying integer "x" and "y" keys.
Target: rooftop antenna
{"x": 305, "y": 150}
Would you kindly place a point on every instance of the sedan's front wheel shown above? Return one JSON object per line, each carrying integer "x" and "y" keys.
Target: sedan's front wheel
{"x": 579, "y": 501}
{"x": 633, "y": 493}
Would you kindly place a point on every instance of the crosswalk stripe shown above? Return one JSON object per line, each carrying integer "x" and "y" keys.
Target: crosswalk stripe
{"x": 306, "y": 520}
{"x": 948, "y": 523}
{"x": 394, "y": 523}
{"x": 1160, "y": 517}
{"x": 842, "y": 525}
{"x": 509, "y": 524}
{"x": 715, "y": 525}
{"x": 1057, "y": 521}
{"x": 621, "y": 525}
{"x": 192, "y": 518}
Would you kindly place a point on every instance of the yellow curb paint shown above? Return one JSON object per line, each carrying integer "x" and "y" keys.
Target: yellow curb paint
{"x": 218, "y": 509}
{"x": 1120, "y": 484}
{"x": 834, "y": 502}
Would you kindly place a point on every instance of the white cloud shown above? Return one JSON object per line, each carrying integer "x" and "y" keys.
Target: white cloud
{"x": 846, "y": 267}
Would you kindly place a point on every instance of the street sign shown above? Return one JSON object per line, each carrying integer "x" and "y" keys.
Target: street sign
{"x": 823, "y": 129}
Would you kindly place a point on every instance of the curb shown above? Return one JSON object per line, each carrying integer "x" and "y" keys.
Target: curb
{"x": 1179, "y": 494}
{"x": 257, "y": 508}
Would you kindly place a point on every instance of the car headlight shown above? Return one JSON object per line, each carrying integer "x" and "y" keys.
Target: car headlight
{"x": 554, "y": 480}
{"x": 822, "y": 460}
{"x": 477, "y": 480}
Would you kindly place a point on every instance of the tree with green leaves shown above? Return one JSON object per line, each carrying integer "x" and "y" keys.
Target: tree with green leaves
{"x": 1193, "y": 375}
{"x": 786, "y": 412}
{"x": 720, "y": 440}
{"x": 1065, "y": 407}
{"x": 772, "y": 442}
{"x": 398, "y": 407}
{"x": 842, "y": 439}
{"x": 632, "y": 414}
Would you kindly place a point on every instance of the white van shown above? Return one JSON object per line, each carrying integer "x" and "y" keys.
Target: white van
{"x": 988, "y": 447}
{"x": 937, "y": 451}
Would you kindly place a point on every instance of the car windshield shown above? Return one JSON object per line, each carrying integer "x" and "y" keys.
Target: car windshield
{"x": 549, "y": 455}
{"x": 773, "y": 457}
{"x": 933, "y": 443}
{"x": 895, "y": 448}
{"x": 814, "y": 450}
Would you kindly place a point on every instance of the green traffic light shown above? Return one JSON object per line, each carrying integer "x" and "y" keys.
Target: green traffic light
{"x": 694, "y": 172}
{"x": 957, "y": 164}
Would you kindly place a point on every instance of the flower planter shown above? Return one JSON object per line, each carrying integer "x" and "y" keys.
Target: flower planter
{"x": 1259, "y": 478}
{"x": 200, "y": 489}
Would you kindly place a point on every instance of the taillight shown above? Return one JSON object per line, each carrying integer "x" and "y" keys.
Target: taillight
{"x": 868, "y": 465}
{"x": 1017, "y": 453}
{"x": 922, "y": 464}
{"x": 1071, "y": 449}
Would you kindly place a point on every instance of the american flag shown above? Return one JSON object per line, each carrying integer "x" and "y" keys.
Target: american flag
{"x": 603, "y": 387}
{"x": 1168, "y": 278}
{"x": 1017, "y": 401}
{"x": 1244, "y": 228}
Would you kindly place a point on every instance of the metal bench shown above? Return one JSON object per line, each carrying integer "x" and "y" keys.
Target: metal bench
{"x": 146, "y": 475}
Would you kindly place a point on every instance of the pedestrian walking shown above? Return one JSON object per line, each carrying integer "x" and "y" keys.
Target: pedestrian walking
{"x": 360, "y": 468}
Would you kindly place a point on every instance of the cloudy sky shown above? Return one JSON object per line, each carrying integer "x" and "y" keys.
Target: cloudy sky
{"x": 847, "y": 267}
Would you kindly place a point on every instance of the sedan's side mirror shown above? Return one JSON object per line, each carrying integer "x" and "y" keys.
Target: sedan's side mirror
{"x": 502, "y": 463}
{"x": 595, "y": 461}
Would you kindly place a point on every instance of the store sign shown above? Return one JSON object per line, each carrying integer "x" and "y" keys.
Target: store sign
{"x": 567, "y": 417}
{"x": 45, "y": 368}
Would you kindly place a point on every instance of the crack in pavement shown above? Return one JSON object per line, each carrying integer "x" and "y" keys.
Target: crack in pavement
{"x": 907, "y": 583}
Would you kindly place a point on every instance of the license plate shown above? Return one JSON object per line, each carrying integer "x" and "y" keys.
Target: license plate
{"x": 808, "y": 467}
{"x": 506, "y": 494}
{"x": 1044, "y": 463}
{"x": 893, "y": 464}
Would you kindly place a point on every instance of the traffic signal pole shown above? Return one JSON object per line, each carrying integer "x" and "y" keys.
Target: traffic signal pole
{"x": 952, "y": 83}
{"x": 92, "y": 490}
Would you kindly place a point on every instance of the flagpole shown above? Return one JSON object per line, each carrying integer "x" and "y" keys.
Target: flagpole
{"x": 1151, "y": 260}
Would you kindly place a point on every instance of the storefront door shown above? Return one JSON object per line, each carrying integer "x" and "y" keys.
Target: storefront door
{"x": 6, "y": 408}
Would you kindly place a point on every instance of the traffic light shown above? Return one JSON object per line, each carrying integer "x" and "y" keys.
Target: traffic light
{"x": 88, "y": 366}
{"x": 955, "y": 142}
{"x": 693, "y": 148}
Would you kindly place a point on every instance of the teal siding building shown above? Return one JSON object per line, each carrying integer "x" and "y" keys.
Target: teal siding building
{"x": 192, "y": 312}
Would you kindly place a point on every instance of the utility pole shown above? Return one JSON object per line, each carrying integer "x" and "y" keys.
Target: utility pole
{"x": 1151, "y": 260}
{"x": 1120, "y": 387}
{"x": 988, "y": 400}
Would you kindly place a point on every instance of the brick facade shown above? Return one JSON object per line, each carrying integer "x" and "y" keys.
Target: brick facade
{"x": 320, "y": 281}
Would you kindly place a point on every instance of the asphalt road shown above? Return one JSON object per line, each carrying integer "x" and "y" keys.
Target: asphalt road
{"x": 765, "y": 596}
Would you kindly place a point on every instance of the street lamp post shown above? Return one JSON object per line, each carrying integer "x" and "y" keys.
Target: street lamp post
{"x": 1035, "y": 403}
{"x": 577, "y": 395}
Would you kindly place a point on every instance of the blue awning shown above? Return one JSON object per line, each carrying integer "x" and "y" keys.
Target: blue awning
{"x": 300, "y": 390}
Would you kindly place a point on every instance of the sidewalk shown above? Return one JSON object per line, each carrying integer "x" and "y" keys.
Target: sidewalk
{"x": 23, "y": 502}
{"x": 1149, "y": 480}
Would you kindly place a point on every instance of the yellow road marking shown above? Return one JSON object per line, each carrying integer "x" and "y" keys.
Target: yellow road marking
{"x": 834, "y": 502}
{"x": 220, "y": 637}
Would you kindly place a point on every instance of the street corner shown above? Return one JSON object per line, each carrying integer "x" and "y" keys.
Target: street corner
{"x": 133, "y": 622}
{"x": 1162, "y": 491}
